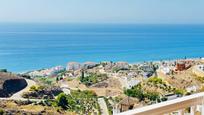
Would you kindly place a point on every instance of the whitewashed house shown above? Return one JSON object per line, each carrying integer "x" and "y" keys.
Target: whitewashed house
{"x": 165, "y": 70}
{"x": 129, "y": 82}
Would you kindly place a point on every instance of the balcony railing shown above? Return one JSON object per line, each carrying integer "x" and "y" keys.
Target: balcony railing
{"x": 193, "y": 101}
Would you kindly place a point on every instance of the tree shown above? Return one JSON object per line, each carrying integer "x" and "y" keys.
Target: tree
{"x": 78, "y": 101}
{"x": 82, "y": 75}
{"x": 62, "y": 101}
{"x": 136, "y": 91}
{"x": 57, "y": 79}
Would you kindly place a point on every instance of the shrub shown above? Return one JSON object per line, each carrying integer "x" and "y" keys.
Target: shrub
{"x": 1, "y": 111}
{"x": 179, "y": 91}
{"x": 36, "y": 88}
{"x": 93, "y": 79}
{"x": 155, "y": 80}
{"x": 33, "y": 88}
{"x": 164, "y": 99}
{"x": 153, "y": 96}
{"x": 135, "y": 92}
{"x": 40, "y": 87}
{"x": 115, "y": 69}
{"x": 3, "y": 70}
{"x": 26, "y": 76}
{"x": 62, "y": 101}
{"x": 79, "y": 101}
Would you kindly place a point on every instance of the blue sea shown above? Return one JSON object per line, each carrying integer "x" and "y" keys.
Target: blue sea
{"x": 25, "y": 47}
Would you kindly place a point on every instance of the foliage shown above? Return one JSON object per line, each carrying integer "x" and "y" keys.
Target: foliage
{"x": 179, "y": 91}
{"x": 98, "y": 108}
{"x": 46, "y": 80}
{"x": 160, "y": 84}
{"x": 62, "y": 101}
{"x": 164, "y": 99}
{"x": 93, "y": 79}
{"x": 153, "y": 96}
{"x": 1, "y": 111}
{"x": 49, "y": 82}
{"x": 117, "y": 99}
{"x": 3, "y": 70}
{"x": 115, "y": 69}
{"x": 109, "y": 106}
{"x": 33, "y": 88}
{"x": 69, "y": 79}
{"x": 155, "y": 80}
{"x": 61, "y": 73}
{"x": 82, "y": 76}
{"x": 201, "y": 79}
{"x": 26, "y": 76}
{"x": 79, "y": 101}
{"x": 137, "y": 92}
{"x": 57, "y": 79}
{"x": 36, "y": 88}
{"x": 201, "y": 89}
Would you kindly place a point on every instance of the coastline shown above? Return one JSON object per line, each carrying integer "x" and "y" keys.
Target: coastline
{"x": 130, "y": 63}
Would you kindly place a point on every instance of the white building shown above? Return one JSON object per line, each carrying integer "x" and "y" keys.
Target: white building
{"x": 165, "y": 70}
{"x": 191, "y": 89}
{"x": 73, "y": 66}
{"x": 88, "y": 65}
{"x": 129, "y": 82}
{"x": 47, "y": 72}
{"x": 122, "y": 65}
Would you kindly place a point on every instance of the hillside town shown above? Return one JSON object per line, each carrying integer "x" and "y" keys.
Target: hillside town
{"x": 104, "y": 88}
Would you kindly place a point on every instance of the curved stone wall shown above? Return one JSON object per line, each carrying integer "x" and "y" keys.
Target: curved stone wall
{"x": 12, "y": 86}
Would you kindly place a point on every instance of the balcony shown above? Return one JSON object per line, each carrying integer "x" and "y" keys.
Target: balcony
{"x": 176, "y": 107}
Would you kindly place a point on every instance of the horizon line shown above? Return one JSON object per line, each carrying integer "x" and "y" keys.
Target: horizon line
{"x": 99, "y": 23}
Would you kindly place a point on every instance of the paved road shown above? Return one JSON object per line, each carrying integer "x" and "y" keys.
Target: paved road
{"x": 103, "y": 106}
{"x": 65, "y": 88}
{"x": 19, "y": 94}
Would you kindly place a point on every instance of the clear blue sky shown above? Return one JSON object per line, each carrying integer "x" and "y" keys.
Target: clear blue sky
{"x": 103, "y": 11}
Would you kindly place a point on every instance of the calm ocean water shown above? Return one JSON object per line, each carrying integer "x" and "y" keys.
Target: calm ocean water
{"x": 34, "y": 46}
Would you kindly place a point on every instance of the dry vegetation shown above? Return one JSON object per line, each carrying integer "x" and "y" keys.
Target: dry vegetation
{"x": 113, "y": 89}
{"x": 16, "y": 108}
{"x": 182, "y": 79}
